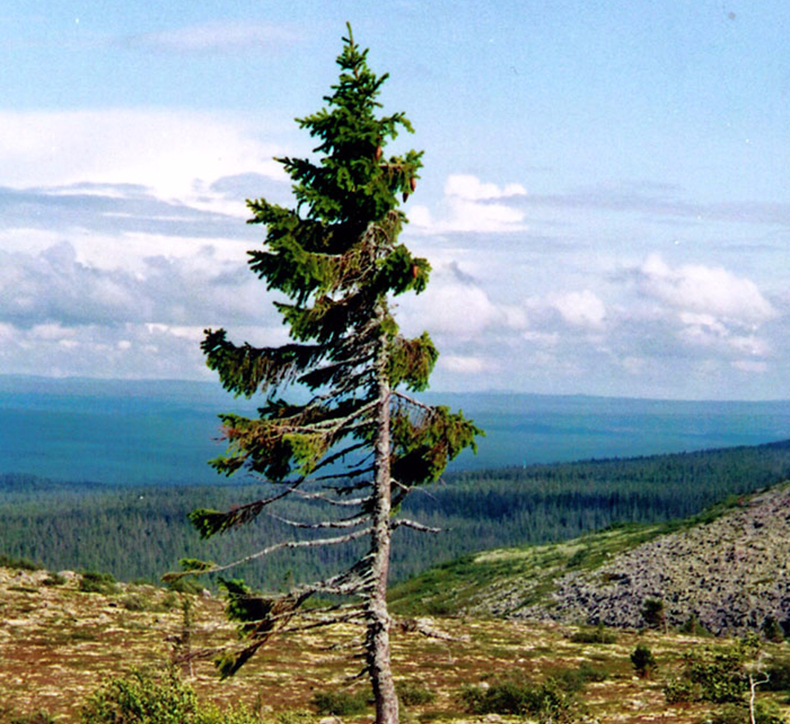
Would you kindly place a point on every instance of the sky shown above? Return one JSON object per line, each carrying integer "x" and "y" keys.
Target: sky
{"x": 604, "y": 199}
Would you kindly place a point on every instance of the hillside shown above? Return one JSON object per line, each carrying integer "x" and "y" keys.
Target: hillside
{"x": 59, "y": 643}
{"x": 729, "y": 569}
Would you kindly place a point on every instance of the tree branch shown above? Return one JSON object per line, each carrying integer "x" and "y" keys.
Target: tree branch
{"x": 344, "y": 523}
{"x": 269, "y": 550}
{"x": 414, "y": 525}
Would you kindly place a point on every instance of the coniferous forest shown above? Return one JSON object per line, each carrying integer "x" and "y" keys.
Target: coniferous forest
{"x": 141, "y": 532}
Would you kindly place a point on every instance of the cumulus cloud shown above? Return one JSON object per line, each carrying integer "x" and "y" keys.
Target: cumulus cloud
{"x": 469, "y": 206}
{"x": 703, "y": 289}
{"x": 705, "y": 312}
{"x": 470, "y": 188}
{"x": 53, "y": 287}
{"x": 457, "y": 308}
{"x": 169, "y": 154}
{"x": 466, "y": 364}
{"x": 217, "y": 37}
{"x": 581, "y": 309}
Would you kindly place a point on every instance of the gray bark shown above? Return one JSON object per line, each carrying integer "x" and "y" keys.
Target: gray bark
{"x": 377, "y": 616}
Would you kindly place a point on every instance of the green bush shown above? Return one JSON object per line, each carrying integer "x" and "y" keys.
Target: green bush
{"x": 143, "y": 698}
{"x": 513, "y": 693}
{"x": 341, "y": 703}
{"x": 772, "y": 631}
{"x": 643, "y": 661}
{"x": 598, "y": 635}
{"x": 767, "y": 712}
{"x": 553, "y": 705}
{"x": 232, "y": 715}
{"x": 764, "y": 713}
{"x": 711, "y": 674}
{"x": 135, "y": 602}
{"x": 411, "y": 694}
{"x": 653, "y": 612}
{"x": 40, "y": 717}
{"x": 54, "y": 579}
{"x": 19, "y": 564}
{"x": 140, "y": 698}
{"x": 694, "y": 627}
{"x": 578, "y": 557}
{"x": 294, "y": 716}
{"x": 574, "y": 680}
{"x": 730, "y": 714}
{"x": 679, "y": 691}
{"x": 719, "y": 674}
{"x": 95, "y": 582}
{"x": 778, "y": 672}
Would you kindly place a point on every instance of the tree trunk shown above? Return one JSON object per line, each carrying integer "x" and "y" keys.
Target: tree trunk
{"x": 378, "y": 620}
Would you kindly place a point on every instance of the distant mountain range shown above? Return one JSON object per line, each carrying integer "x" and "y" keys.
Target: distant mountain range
{"x": 163, "y": 431}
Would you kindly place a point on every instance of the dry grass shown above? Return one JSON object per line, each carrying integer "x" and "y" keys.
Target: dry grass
{"x": 58, "y": 644}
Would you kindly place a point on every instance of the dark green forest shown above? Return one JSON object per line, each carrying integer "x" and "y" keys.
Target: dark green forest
{"x": 140, "y": 533}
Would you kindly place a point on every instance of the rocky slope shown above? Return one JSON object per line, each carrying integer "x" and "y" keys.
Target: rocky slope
{"x": 730, "y": 573}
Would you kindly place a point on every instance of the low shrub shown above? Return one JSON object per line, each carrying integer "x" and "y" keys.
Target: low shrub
{"x": 653, "y": 613}
{"x": 136, "y": 602}
{"x": 95, "y": 582}
{"x": 40, "y": 717}
{"x": 411, "y": 694}
{"x": 772, "y": 630}
{"x": 54, "y": 579}
{"x": 141, "y": 698}
{"x": 19, "y": 564}
{"x": 768, "y": 712}
{"x": 341, "y": 703}
{"x": 679, "y": 691}
{"x": 579, "y": 556}
{"x": 597, "y": 635}
{"x": 730, "y": 714}
{"x": 553, "y": 705}
{"x": 718, "y": 673}
{"x": 294, "y": 716}
{"x": 643, "y": 660}
{"x": 574, "y": 680}
{"x": 714, "y": 674}
{"x": 694, "y": 627}
{"x": 588, "y": 672}
{"x": 764, "y": 713}
{"x": 549, "y": 702}
{"x": 778, "y": 673}
{"x": 144, "y": 698}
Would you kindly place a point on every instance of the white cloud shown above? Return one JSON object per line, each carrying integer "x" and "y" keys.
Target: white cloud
{"x": 470, "y": 188}
{"x": 174, "y": 154}
{"x": 709, "y": 310}
{"x": 217, "y": 37}
{"x": 55, "y": 287}
{"x": 468, "y": 207}
{"x": 466, "y": 364}
{"x": 582, "y": 309}
{"x": 703, "y": 289}
{"x": 542, "y": 339}
{"x": 457, "y": 309}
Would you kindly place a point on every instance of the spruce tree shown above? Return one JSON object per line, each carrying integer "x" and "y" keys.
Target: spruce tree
{"x": 336, "y": 261}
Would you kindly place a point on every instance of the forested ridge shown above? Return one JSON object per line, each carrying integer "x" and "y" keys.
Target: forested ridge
{"x": 141, "y": 532}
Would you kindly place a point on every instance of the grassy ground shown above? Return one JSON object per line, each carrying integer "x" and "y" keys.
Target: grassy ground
{"x": 58, "y": 644}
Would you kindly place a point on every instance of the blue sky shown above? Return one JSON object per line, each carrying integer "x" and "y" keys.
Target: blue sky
{"x": 604, "y": 199}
